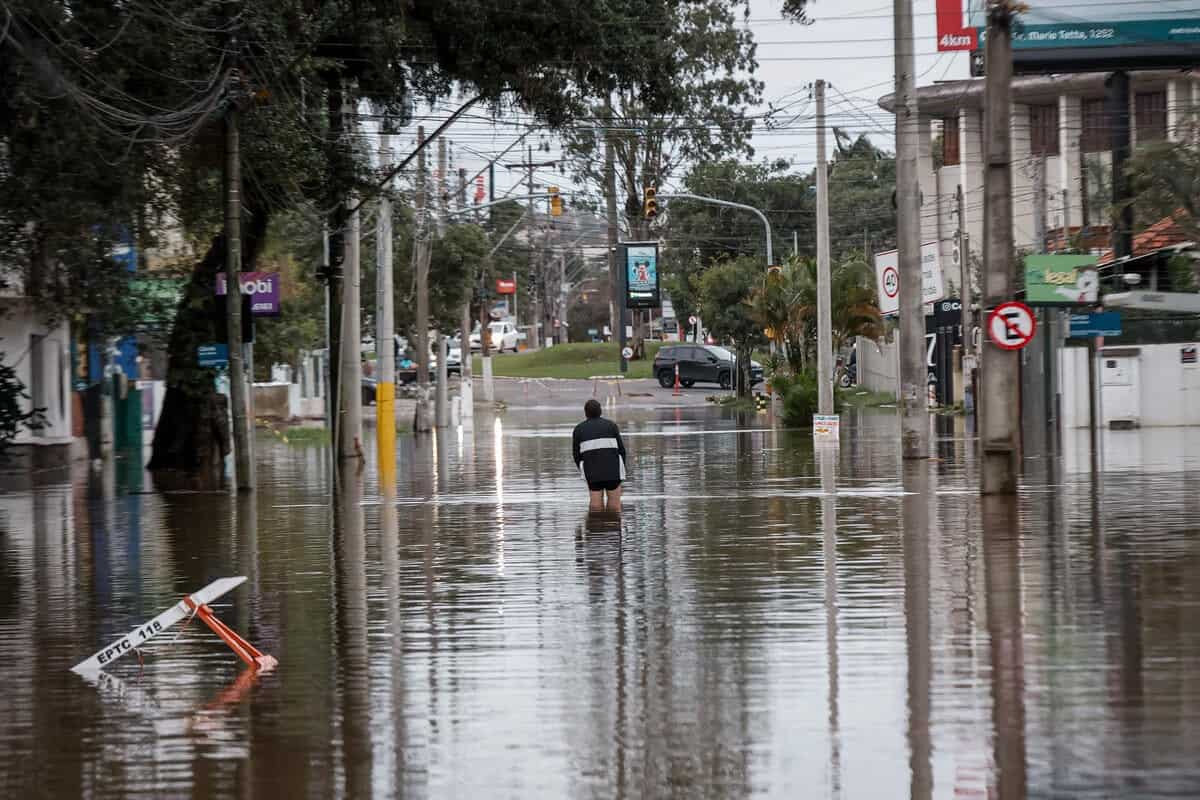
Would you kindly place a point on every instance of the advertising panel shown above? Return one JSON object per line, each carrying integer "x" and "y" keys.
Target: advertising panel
{"x": 641, "y": 275}
{"x": 1067, "y": 35}
{"x": 263, "y": 288}
{"x": 1061, "y": 280}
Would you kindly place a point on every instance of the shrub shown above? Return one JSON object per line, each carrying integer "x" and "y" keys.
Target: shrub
{"x": 799, "y": 392}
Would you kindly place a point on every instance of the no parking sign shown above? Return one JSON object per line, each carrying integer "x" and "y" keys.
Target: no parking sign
{"x": 1011, "y": 325}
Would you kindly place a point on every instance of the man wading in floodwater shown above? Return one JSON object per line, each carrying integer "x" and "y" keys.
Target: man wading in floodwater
{"x": 600, "y": 456}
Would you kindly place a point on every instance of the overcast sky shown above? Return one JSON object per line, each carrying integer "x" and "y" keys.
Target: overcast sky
{"x": 849, "y": 45}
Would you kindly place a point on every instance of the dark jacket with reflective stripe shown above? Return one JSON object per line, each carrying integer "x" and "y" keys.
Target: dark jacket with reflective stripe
{"x": 598, "y": 450}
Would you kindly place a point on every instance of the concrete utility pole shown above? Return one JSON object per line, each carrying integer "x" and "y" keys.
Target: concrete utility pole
{"x": 610, "y": 209}
{"x": 534, "y": 272}
{"x": 914, "y": 401}
{"x": 999, "y": 404}
{"x": 965, "y": 292}
{"x": 385, "y": 326}
{"x": 421, "y": 268}
{"x": 442, "y": 396}
{"x": 466, "y": 386}
{"x": 349, "y": 444}
{"x": 238, "y": 393}
{"x": 824, "y": 313}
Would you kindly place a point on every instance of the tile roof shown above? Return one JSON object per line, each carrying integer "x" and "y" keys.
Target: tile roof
{"x": 1164, "y": 233}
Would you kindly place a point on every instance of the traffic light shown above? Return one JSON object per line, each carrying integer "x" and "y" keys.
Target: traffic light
{"x": 556, "y": 203}
{"x": 650, "y": 204}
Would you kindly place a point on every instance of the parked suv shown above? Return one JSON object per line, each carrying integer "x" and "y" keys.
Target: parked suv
{"x": 699, "y": 363}
{"x": 504, "y": 333}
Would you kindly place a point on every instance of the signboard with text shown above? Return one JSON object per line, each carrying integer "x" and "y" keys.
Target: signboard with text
{"x": 506, "y": 286}
{"x": 641, "y": 275}
{"x": 1061, "y": 280}
{"x": 263, "y": 289}
{"x": 887, "y": 276}
{"x": 1102, "y": 323}
{"x": 1069, "y": 36}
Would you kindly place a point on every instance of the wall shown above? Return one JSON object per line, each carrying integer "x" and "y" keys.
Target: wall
{"x": 878, "y": 366}
{"x": 43, "y": 368}
{"x": 1168, "y": 391}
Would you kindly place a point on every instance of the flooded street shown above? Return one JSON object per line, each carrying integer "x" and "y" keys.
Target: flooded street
{"x": 765, "y": 619}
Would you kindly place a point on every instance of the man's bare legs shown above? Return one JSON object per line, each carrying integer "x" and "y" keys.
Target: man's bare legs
{"x": 614, "y": 500}
{"x": 596, "y": 501}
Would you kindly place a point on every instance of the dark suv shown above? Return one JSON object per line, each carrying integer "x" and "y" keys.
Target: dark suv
{"x": 699, "y": 363}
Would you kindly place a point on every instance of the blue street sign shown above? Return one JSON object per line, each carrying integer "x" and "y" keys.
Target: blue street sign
{"x": 212, "y": 355}
{"x": 1102, "y": 323}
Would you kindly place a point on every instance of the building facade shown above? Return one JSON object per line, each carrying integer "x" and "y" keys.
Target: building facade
{"x": 1061, "y": 150}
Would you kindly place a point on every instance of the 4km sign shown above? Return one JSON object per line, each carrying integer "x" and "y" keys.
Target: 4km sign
{"x": 1011, "y": 325}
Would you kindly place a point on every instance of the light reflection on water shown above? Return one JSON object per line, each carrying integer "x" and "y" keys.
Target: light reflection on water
{"x": 764, "y": 619}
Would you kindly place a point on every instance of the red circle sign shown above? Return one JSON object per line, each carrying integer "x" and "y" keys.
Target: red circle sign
{"x": 891, "y": 282}
{"x": 1011, "y": 325}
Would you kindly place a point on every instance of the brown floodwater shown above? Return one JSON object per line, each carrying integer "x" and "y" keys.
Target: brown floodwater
{"x": 765, "y": 619}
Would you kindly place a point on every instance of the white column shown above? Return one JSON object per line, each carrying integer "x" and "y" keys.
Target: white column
{"x": 1070, "y": 128}
{"x": 928, "y": 180}
{"x": 970, "y": 148}
{"x": 1023, "y": 177}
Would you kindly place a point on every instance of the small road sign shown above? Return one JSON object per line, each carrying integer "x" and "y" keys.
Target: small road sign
{"x": 1011, "y": 325}
{"x": 212, "y": 355}
{"x": 692, "y": 320}
{"x": 891, "y": 281}
{"x": 1103, "y": 323}
{"x": 627, "y": 353}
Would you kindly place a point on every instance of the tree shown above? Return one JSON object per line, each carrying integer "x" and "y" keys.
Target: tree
{"x": 13, "y": 416}
{"x": 152, "y": 88}
{"x": 726, "y": 291}
{"x": 862, "y": 179}
{"x": 787, "y": 305}
{"x": 1165, "y": 181}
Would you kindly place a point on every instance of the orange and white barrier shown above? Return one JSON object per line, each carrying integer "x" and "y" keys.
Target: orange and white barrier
{"x": 192, "y": 605}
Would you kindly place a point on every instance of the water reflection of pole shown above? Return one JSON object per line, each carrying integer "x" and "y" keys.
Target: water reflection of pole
{"x": 351, "y": 657}
{"x": 1002, "y": 584}
{"x": 247, "y": 557}
{"x": 389, "y": 546}
{"x": 915, "y": 525}
{"x": 828, "y": 461}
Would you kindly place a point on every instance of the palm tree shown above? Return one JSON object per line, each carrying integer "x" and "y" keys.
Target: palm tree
{"x": 786, "y": 305}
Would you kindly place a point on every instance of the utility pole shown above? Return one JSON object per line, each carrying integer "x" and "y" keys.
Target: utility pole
{"x": 441, "y": 397}
{"x": 964, "y": 280}
{"x": 610, "y": 208}
{"x": 332, "y": 271}
{"x": 238, "y": 394}
{"x": 421, "y": 268}
{"x": 349, "y": 444}
{"x": 999, "y": 404}
{"x": 824, "y": 314}
{"x": 466, "y": 389}
{"x": 914, "y": 401}
{"x": 534, "y": 272}
{"x": 385, "y": 325}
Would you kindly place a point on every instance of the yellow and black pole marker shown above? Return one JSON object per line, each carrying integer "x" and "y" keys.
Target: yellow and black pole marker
{"x": 650, "y": 203}
{"x": 556, "y": 202}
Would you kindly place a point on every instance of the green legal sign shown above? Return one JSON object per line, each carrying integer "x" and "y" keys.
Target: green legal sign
{"x": 1061, "y": 280}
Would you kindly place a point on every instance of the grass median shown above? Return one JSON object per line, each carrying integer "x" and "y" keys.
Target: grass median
{"x": 578, "y": 360}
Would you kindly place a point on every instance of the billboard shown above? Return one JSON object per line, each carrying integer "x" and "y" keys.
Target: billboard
{"x": 1061, "y": 280}
{"x": 1067, "y": 35}
{"x": 263, "y": 288}
{"x": 887, "y": 277}
{"x": 641, "y": 275}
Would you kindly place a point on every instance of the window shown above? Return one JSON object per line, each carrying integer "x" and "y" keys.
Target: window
{"x": 1096, "y": 135}
{"x": 1151, "y": 116}
{"x": 950, "y": 153}
{"x": 1043, "y": 130}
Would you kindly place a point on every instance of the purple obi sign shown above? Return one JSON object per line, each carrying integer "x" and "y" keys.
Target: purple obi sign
{"x": 263, "y": 288}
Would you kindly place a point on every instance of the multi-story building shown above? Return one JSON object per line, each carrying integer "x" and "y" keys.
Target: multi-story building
{"x": 1061, "y": 150}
